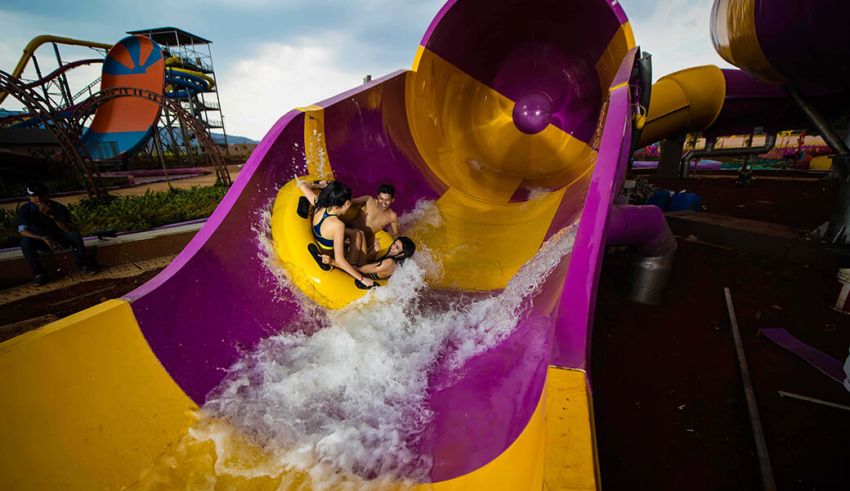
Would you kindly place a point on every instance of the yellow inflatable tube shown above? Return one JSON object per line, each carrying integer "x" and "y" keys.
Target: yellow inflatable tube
{"x": 291, "y": 235}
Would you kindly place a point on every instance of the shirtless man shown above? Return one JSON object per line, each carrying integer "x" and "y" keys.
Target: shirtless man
{"x": 374, "y": 215}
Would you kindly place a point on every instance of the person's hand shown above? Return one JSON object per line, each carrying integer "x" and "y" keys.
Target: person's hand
{"x": 44, "y": 209}
{"x": 321, "y": 184}
{"x": 52, "y": 244}
{"x": 367, "y": 282}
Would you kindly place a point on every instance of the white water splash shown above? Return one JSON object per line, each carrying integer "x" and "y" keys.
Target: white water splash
{"x": 266, "y": 251}
{"x": 342, "y": 395}
{"x": 316, "y": 149}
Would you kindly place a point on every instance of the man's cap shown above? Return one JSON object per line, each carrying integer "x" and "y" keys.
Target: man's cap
{"x": 36, "y": 189}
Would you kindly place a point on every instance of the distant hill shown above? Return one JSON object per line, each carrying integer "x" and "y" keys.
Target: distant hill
{"x": 4, "y": 113}
{"x": 219, "y": 138}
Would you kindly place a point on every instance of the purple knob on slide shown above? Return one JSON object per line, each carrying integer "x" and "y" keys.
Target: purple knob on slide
{"x": 532, "y": 112}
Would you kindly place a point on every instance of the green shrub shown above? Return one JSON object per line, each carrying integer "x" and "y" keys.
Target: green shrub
{"x": 131, "y": 213}
{"x": 8, "y": 228}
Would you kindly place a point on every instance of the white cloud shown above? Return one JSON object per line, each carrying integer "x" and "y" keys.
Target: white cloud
{"x": 677, "y": 33}
{"x": 282, "y": 73}
{"x": 256, "y": 91}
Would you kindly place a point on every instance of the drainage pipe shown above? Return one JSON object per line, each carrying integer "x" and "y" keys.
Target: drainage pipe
{"x": 645, "y": 228}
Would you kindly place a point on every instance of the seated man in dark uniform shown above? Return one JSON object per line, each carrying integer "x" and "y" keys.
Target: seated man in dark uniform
{"x": 45, "y": 225}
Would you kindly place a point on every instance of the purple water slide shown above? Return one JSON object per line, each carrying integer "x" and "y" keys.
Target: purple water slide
{"x": 750, "y": 102}
{"x": 217, "y": 298}
{"x": 806, "y": 42}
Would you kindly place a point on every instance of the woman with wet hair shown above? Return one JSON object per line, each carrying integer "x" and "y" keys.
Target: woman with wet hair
{"x": 328, "y": 230}
{"x": 384, "y": 267}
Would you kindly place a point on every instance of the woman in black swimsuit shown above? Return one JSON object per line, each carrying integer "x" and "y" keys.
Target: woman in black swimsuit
{"x": 384, "y": 267}
{"x": 329, "y": 230}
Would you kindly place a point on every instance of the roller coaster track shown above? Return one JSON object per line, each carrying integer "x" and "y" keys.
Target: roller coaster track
{"x": 66, "y": 132}
{"x": 33, "y": 45}
{"x": 61, "y": 70}
{"x": 85, "y": 89}
{"x": 209, "y": 147}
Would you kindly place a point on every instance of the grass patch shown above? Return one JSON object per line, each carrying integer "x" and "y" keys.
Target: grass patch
{"x": 129, "y": 213}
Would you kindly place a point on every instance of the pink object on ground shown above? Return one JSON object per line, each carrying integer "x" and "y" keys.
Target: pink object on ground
{"x": 828, "y": 365}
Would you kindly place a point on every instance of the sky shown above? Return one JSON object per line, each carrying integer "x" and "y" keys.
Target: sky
{"x": 273, "y": 55}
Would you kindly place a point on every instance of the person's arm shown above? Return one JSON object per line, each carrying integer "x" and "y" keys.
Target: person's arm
{"x": 338, "y": 234}
{"x": 383, "y": 268}
{"x": 52, "y": 244}
{"x": 23, "y": 229}
{"x": 307, "y": 190}
{"x": 61, "y": 216}
{"x": 393, "y": 225}
{"x": 361, "y": 201}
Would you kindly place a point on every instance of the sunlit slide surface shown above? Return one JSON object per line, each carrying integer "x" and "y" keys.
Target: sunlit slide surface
{"x": 506, "y": 142}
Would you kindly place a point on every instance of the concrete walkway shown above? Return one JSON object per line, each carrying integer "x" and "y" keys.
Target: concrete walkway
{"x": 117, "y": 251}
{"x": 185, "y": 183}
{"x": 121, "y": 271}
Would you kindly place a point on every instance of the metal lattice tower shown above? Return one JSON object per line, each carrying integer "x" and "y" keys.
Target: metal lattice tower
{"x": 188, "y": 54}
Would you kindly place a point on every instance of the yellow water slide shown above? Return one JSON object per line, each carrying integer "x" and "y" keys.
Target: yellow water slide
{"x": 689, "y": 100}
{"x": 514, "y": 122}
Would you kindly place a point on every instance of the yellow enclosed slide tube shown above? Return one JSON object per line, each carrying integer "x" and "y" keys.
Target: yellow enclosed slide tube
{"x": 684, "y": 101}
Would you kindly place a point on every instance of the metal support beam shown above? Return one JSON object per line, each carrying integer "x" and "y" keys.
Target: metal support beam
{"x": 834, "y": 141}
{"x": 671, "y": 155}
{"x": 838, "y": 229}
{"x": 63, "y": 80}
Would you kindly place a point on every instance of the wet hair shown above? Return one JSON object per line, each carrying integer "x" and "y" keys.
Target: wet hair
{"x": 386, "y": 189}
{"x": 334, "y": 194}
{"x": 408, "y": 247}
{"x": 36, "y": 188}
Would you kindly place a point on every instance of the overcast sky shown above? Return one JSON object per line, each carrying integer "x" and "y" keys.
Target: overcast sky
{"x": 272, "y": 55}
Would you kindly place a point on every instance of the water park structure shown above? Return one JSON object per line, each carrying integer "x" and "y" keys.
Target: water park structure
{"x": 508, "y": 141}
{"x": 150, "y": 106}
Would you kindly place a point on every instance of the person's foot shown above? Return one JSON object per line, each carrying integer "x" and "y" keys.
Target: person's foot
{"x": 39, "y": 280}
{"x": 88, "y": 270}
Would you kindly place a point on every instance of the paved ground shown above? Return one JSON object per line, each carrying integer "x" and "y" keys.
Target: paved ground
{"x": 204, "y": 180}
{"x": 668, "y": 399}
{"x": 797, "y": 203}
{"x": 26, "y": 308}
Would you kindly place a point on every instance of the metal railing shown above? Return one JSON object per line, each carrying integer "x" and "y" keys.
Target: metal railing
{"x": 85, "y": 89}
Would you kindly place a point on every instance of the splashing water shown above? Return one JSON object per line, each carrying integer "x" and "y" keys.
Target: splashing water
{"x": 266, "y": 251}
{"x": 315, "y": 153}
{"x": 341, "y": 396}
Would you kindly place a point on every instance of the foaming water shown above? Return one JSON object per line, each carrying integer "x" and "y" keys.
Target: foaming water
{"x": 340, "y": 398}
{"x": 266, "y": 251}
